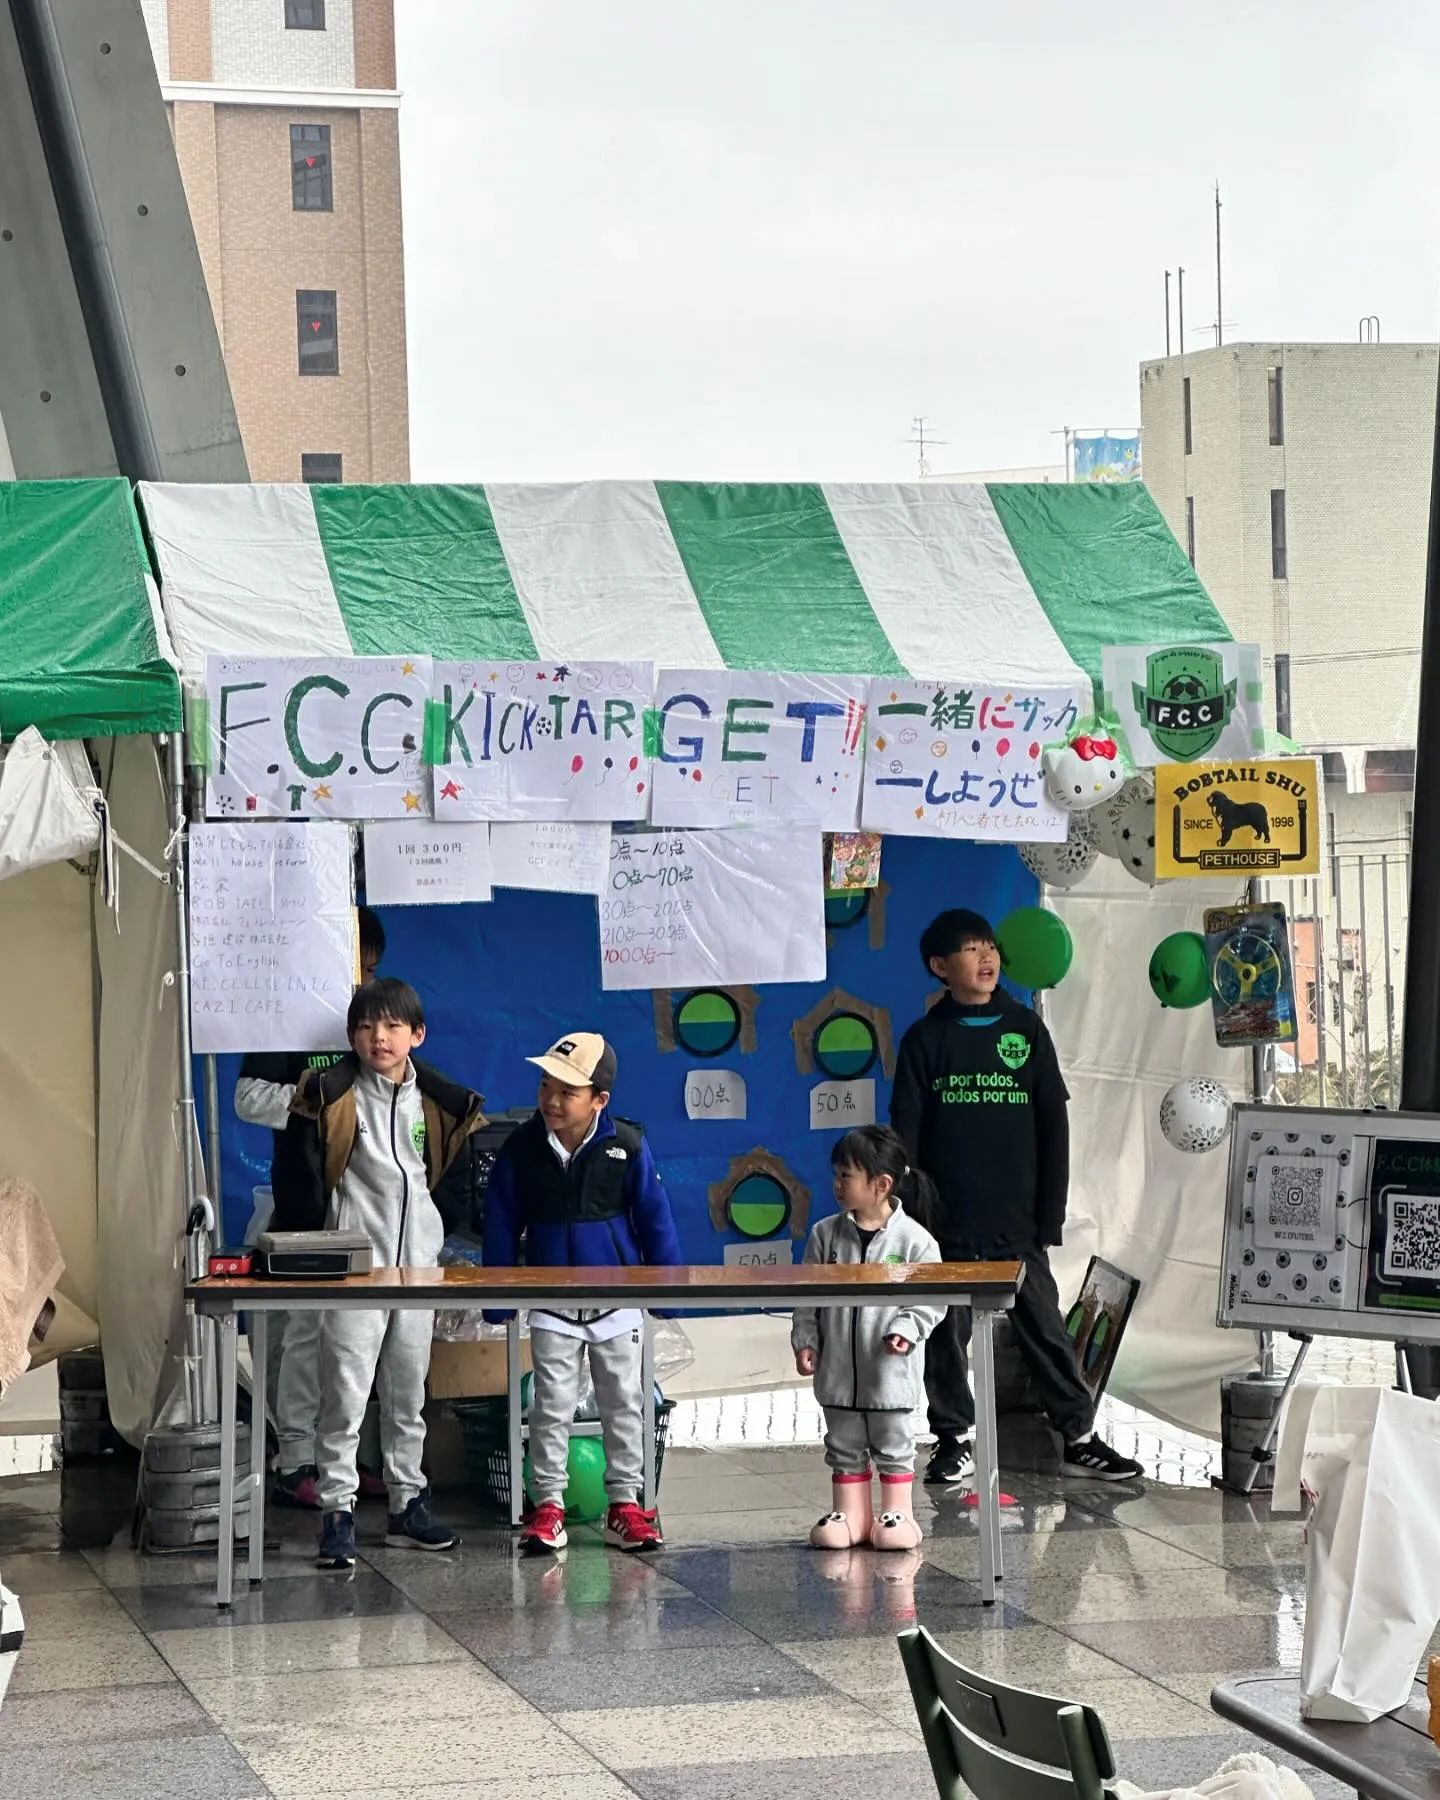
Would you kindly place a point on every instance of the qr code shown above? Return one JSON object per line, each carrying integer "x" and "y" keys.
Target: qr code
{"x": 1296, "y": 1191}
{"x": 1414, "y": 1246}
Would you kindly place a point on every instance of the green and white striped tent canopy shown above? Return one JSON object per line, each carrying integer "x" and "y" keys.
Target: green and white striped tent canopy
{"x": 83, "y": 647}
{"x": 1005, "y": 583}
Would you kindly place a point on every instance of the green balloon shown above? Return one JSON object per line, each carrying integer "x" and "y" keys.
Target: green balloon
{"x": 585, "y": 1497}
{"x": 1179, "y": 970}
{"x": 1035, "y": 947}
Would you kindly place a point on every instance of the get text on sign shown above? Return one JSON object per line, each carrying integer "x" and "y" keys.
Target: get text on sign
{"x": 1238, "y": 818}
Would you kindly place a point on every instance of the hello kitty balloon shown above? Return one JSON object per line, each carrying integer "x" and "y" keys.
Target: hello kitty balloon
{"x": 1084, "y": 773}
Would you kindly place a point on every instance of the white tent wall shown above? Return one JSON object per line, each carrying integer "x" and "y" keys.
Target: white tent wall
{"x": 47, "y": 1076}
{"x": 1150, "y": 1209}
{"x": 141, "y": 1182}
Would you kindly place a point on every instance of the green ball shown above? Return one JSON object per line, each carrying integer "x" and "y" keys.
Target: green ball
{"x": 585, "y": 1497}
{"x": 1035, "y": 947}
{"x": 1179, "y": 970}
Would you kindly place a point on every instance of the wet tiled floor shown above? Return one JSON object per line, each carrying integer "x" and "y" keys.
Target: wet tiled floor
{"x": 737, "y": 1663}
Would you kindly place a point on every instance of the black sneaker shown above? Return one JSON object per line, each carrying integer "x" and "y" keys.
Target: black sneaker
{"x": 1094, "y": 1460}
{"x": 952, "y": 1464}
{"x": 337, "y": 1542}
{"x": 416, "y": 1529}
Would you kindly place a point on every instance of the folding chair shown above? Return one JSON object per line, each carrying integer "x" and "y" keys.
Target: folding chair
{"x": 976, "y": 1731}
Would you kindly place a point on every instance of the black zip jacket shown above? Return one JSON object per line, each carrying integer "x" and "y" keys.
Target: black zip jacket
{"x": 979, "y": 1100}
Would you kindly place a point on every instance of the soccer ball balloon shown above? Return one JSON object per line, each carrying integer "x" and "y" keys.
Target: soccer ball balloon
{"x": 1195, "y": 1114}
{"x": 1062, "y": 865}
{"x": 1129, "y": 823}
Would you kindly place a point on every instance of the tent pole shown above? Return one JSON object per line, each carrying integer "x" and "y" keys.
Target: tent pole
{"x": 196, "y": 1331}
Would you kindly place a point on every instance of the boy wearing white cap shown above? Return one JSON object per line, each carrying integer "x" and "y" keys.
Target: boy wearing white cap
{"x": 581, "y": 1189}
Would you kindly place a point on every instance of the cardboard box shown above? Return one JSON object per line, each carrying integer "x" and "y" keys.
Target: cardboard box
{"x": 444, "y": 1462}
{"x": 470, "y": 1371}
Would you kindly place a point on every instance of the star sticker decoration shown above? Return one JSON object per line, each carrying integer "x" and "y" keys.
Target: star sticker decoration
{"x": 412, "y": 803}
{"x": 407, "y": 668}
{"x": 321, "y": 792}
{"x": 494, "y": 674}
{"x": 562, "y": 673}
{"x": 450, "y": 791}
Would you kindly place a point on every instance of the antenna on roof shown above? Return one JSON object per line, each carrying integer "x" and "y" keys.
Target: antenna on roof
{"x": 922, "y": 442}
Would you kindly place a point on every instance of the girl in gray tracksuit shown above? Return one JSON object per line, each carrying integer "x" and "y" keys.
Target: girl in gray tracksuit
{"x": 869, "y": 1361}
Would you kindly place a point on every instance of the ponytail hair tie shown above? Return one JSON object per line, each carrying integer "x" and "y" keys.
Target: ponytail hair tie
{"x": 905, "y": 1171}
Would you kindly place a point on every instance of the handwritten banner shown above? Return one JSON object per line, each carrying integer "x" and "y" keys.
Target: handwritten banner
{"x": 737, "y": 748}
{"x": 533, "y": 740}
{"x": 712, "y": 908}
{"x": 311, "y": 737}
{"x": 956, "y": 760}
{"x": 272, "y": 937}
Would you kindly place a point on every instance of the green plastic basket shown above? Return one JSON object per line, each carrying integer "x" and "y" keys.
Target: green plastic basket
{"x": 484, "y": 1428}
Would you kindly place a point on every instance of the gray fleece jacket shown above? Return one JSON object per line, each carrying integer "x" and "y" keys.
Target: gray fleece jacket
{"x": 384, "y": 1191}
{"x": 855, "y": 1371}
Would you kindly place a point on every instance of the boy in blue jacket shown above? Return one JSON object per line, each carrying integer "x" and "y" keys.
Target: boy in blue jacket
{"x": 582, "y": 1191}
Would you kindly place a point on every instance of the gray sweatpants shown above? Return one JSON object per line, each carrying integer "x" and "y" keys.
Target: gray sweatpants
{"x": 297, "y": 1386}
{"x": 391, "y": 1351}
{"x": 853, "y": 1440}
{"x": 616, "y": 1371}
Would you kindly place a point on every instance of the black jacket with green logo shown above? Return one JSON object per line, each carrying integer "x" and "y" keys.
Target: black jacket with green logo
{"x": 980, "y": 1102}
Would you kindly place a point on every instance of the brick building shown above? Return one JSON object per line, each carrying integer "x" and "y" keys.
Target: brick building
{"x": 285, "y": 115}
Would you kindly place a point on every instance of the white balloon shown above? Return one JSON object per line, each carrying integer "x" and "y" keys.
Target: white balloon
{"x": 1062, "y": 865}
{"x": 1078, "y": 779}
{"x": 1129, "y": 824}
{"x": 1195, "y": 1114}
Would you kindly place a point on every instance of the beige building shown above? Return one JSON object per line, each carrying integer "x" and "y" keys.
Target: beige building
{"x": 286, "y": 122}
{"x": 1297, "y": 476}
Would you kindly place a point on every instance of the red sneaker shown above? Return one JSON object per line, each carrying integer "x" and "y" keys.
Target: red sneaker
{"x": 630, "y": 1527}
{"x": 297, "y": 1488}
{"x": 544, "y": 1530}
{"x": 372, "y": 1486}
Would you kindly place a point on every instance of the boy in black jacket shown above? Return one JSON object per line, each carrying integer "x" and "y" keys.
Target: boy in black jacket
{"x": 980, "y": 1102}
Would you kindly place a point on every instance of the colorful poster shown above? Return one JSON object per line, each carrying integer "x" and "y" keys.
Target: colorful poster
{"x": 738, "y": 748}
{"x": 1239, "y": 818}
{"x": 557, "y": 856}
{"x": 272, "y": 937}
{"x": 1105, "y": 456}
{"x": 316, "y": 737}
{"x": 703, "y": 909}
{"x": 542, "y": 740}
{"x": 1186, "y": 702}
{"x": 854, "y": 861}
{"x": 426, "y": 862}
{"x": 951, "y": 759}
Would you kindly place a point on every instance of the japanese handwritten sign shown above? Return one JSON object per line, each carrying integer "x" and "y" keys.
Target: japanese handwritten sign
{"x": 424, "y": 862}
{"x": 714, "y": 1094}
{"x": 551, "y": 740}
{"x": 952, "y": 759}
{"x": 311, "y": 737}
{"x": 712, "y": 908}
{"x": 1238, "y": 818}
{"x": 734, "y": 748}
{"x": 272, "y": 937}
{"x": 840, "y": 1105}
{"x": 557, "y": 856}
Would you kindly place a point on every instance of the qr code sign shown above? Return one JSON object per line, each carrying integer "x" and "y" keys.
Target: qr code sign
{"x": 1293, "y": 1202}
{"x": 1414, "y": 1243}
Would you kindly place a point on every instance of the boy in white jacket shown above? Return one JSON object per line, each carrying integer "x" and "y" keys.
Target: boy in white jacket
{"x": 868, "y": 1361}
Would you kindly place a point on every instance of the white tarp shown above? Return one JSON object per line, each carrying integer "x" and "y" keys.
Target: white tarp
{"x": 1151, "y": 1210}
{"x": 44, "y": 815}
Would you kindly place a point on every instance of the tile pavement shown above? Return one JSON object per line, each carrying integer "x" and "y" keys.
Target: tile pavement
{"x": 738, "y": 1665}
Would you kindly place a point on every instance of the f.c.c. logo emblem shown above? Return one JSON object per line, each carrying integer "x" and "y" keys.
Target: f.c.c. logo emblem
{"x": 1186, "y": 702}
{"x": 1013, "y": 1049}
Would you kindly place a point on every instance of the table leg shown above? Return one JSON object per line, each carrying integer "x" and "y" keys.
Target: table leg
{"x": 225, "y": 1549}
{"x": 512, "y": 1418}
{"x": 649, "y": 1499}
{"x": 987, "y": 1474}
{"x": 259, "y": 1360}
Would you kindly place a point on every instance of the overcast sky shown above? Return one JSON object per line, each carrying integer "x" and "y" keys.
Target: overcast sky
{"x": 752, "y": 240}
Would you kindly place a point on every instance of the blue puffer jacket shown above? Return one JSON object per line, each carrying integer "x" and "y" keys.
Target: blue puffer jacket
{"x": 609, "y": 1209}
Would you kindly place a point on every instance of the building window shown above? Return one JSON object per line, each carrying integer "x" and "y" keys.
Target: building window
{"x": 304, "y": 15}
{"x": 315, "y": 326}
{"x": 1389, "y": 771}
{"x": 1190, "y": 528}
{"x": 1275, "y": 384}
{"x": 321, "y": 465}
{"x": 310, "y": 169}
{"x": 1189, "y": 420}
{"x": 1282, "y": 697}
{"x": 1279, "y": 554}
